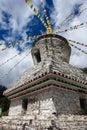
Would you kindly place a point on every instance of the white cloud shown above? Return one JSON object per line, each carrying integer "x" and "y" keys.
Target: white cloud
{"x": 20, "y": 16}
{"x": 62, "y": 10}
{"x": 18, "y": 70}
{"x": 79, "y": 60}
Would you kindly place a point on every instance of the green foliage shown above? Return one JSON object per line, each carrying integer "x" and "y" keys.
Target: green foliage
{"x": 4, "y": 104}
{"x": 82, "y": 112}
{"x": 85, "y": 70}
{"x": 2, "y": 89}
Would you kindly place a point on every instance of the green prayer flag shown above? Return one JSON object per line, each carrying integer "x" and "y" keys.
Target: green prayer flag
{"x": 0, "y": 111}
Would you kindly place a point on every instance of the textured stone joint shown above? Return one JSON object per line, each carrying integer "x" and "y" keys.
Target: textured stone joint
{"x": 37, "y": 78}
{"x": 51, "y": 78}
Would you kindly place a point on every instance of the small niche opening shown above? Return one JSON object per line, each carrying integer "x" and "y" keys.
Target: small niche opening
{"x": 37, "y": 56}
{"x": 25, "y": 104}
{"x": 83, "y": 105}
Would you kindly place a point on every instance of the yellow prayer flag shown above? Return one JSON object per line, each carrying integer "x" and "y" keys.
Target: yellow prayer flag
{"x": 49, "y": 30}
{"x": 30, "y": 4}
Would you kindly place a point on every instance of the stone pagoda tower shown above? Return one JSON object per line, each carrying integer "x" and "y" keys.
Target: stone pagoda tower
{"x": 52, "y": 86}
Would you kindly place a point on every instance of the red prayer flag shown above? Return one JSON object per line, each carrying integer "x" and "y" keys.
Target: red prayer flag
{"x": 26, "y": 1}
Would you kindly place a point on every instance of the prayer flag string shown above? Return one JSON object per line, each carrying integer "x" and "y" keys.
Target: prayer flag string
{"x": 82, "y": 44}
{"x": 13, "y": 57}
{"x": 71, "y": 16}
{"x": 45, "y": 14}
{"x": 48, "y": 27}
{"x": 74, "y": 27}
{"x": 16, "y": 65}
{"x": 13, "y": 44}
{"x": 30, "y": 4}
{"x": 79, "y": 49}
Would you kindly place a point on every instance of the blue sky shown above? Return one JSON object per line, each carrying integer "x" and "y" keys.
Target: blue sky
{"x": 18, "y": 21}
{"x": 30, "y": 27}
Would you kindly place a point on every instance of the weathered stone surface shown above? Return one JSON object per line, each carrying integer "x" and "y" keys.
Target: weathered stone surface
{"x": 61, "y": 122}
{"x": 46, "y": 104}
{"x": 55, "y": 55}
{"x": 43, "y": 104}
{"x": 15, "y": 107}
